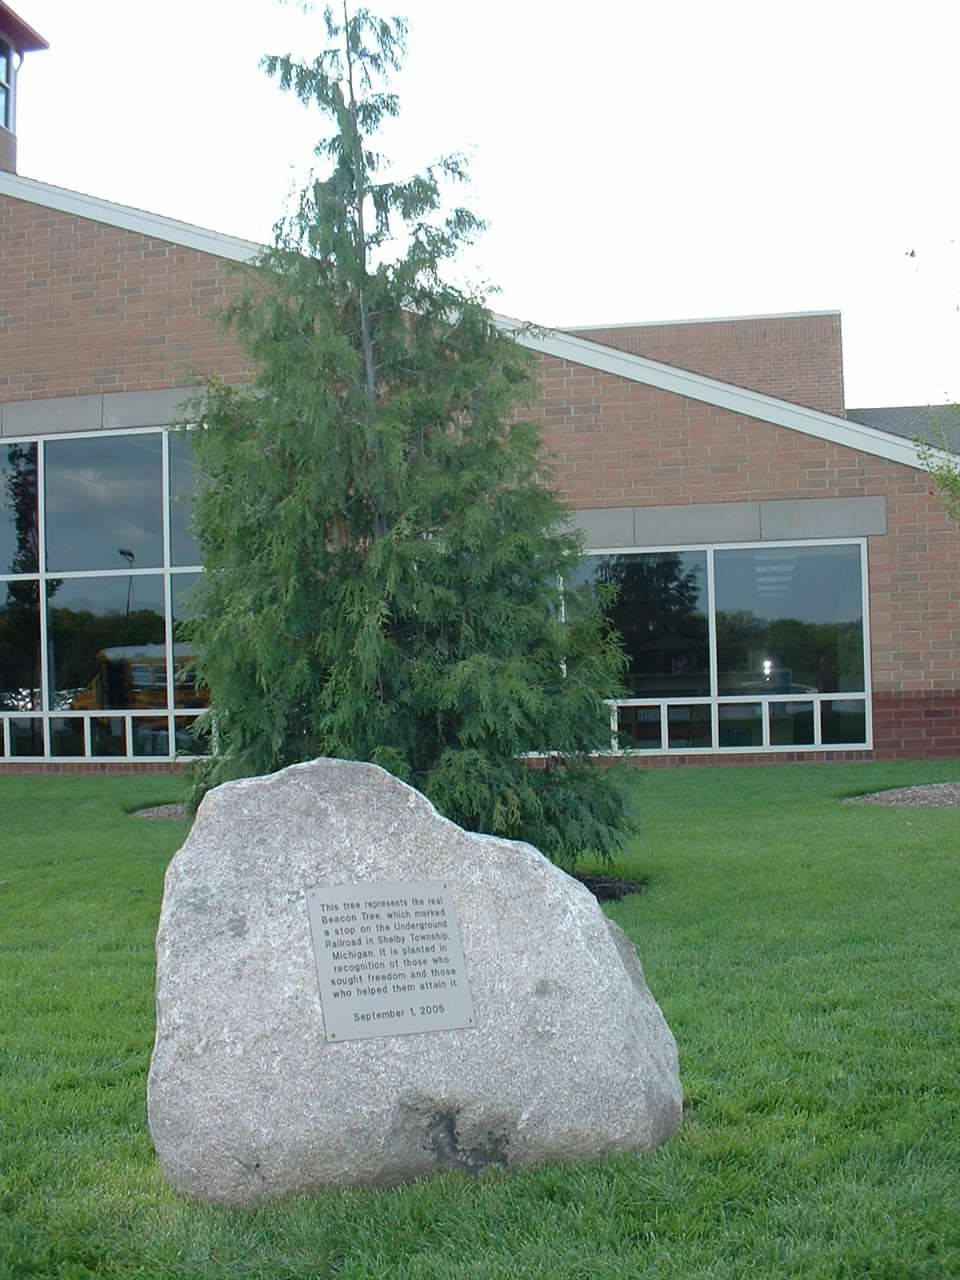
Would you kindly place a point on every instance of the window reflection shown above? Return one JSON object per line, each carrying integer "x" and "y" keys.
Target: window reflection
{"x": 189, "y": 740}
{"x": 151, "y": 736}
{"x": 184, "y": 548}
{"x": 689, "y": 726}
{"x": 67, "y": 736}
{"x": 843, "y": 721}
{"x": 106, "y": 643}
{"x": 26, "y": 737}
{"x": 185, "y": 690}
{"x": 638, "y": 728}
{"x": 789, "y": 620}
{"x": 791, "y": 724}
{"x": 104, "y": 503}
{"x": 18, "y": 509}
{"x": 108, "y": 736}
{"x": 741, "y": 724}
{"x": 661, "y": 612}
{"x": 20, "y": 681}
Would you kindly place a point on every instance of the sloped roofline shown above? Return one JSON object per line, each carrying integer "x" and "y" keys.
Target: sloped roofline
{"x": 552, "y": 342}
{"x": 23, "y": 36}
{"x": 122, "y": 216}
{"x": 667, "y": 324}
{"x": 724, "y": 395}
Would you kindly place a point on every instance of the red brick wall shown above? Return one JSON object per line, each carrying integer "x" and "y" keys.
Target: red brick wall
{"x": 797, "y": 358}
{"x": 616, "y": 443}
{"x": 86, "y": 308}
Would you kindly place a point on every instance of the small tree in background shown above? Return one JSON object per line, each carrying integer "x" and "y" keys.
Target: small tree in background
{"x": 944, "y": 464}
{"x": 383, "y": 551}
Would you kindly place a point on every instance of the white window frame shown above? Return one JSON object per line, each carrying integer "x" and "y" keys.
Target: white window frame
{"x": 166, "y": 571}
{"x": 8, "y": 83}
{"x": 716, "y": 700}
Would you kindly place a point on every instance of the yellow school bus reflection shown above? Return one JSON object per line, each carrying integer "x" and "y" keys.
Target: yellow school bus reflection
{"x": 133, "y": 677}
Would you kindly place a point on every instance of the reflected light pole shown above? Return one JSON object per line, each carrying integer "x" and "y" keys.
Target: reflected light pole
{"x": 129, "y": 557}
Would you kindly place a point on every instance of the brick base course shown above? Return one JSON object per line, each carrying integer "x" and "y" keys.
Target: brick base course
{"x": 935, "y": 749}
{"x": 91, "y": 766}
{"x": 746, "y": 757}
{"x": 916, "y": 725}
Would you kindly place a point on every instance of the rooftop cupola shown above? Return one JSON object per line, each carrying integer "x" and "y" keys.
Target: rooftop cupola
{"x": 16, "y": 39}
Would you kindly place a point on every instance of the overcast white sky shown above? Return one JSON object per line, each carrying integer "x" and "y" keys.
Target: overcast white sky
{"x": 634, "y": 160}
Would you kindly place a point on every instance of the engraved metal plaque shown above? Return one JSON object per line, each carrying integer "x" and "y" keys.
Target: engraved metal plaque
{"x": 389, "y": 959}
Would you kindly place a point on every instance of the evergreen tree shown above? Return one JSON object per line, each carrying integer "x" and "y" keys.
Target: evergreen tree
{"x": 383, "y": 550}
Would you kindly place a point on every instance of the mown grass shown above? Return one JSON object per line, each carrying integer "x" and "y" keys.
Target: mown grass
{"x": 804, "y": 952}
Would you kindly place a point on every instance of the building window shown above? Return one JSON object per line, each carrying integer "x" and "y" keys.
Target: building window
{"x": 104, "y": 503}
{"x": 96, "y": 566}
{"x": 789, "y": 619}
{"x": 730, "y": 648}
{"x": 740, "y": 648}
{"x": 6, "y": 85}
{"x": 661, "y": 612}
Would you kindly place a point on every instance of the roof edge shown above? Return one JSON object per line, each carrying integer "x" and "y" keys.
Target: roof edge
{"x": 662, "y": 324}
{"x": 22, "y": 35}
{"x": 126, "y": 218}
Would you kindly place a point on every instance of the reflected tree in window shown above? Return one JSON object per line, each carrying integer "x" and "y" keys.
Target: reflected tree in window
{"x": 188, "y": 691}
{"x": 184, "y": 548}
{"x": 20, "y": 613}
{"x": 659, "y": 608}
{"x": 20, "y": 647}
{"x": 20, "y": 502}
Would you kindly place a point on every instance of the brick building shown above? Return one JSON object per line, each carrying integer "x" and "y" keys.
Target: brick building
{"x": 788, "y": 583}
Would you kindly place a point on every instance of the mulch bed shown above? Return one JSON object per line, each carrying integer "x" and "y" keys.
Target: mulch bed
{"x": 163, "y": 813}
{"x": 609, "y": 888}
{"x": 934, "y": 795}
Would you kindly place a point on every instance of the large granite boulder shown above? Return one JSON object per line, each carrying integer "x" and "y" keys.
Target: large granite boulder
{"x": 353, "y": 990}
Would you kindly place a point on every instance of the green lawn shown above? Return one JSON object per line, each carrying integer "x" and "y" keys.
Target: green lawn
{"x": 805, "y": 953}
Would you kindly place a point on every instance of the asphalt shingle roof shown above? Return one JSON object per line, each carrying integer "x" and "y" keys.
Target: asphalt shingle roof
{"x": 927, "y": 422}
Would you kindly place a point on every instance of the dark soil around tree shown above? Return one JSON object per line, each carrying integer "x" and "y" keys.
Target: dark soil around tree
{"x": 609, "y": 888}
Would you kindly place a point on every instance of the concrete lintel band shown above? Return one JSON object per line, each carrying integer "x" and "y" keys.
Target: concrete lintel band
{"x": 716, "y": 522}
{"x": 59, "y": 415}
{"x": 822, "y": 518}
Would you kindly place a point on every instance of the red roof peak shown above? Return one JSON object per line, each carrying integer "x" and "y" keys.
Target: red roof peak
{"x": 20, "y": 34}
